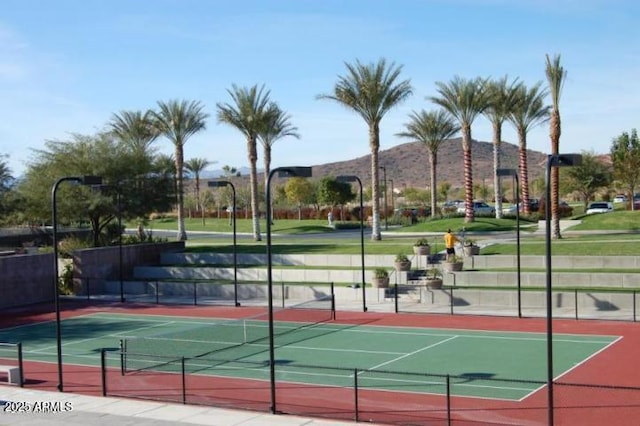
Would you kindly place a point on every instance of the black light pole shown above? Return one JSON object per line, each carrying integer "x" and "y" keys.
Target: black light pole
{"x": 514, "y": 173}
{"x": 283, "y": 172}
{"x": 384, "y": 174}
{"x": 351, "y": 178}
{"x": 119, "y": 196}
{"x": 393, "y": 203}
{"x": 553, "y": 160}
{"x": 219, "y": 183}
{"x": 85, "y": 180}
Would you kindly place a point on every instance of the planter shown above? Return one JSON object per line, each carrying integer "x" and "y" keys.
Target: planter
{"x": 403, "y": 266}
{"x": 380, "y": 282}
{"x": 471, "y": 250}
{"x": 452, "y": 266}
{"x": 422, "y": 250}
{"x": 435, "y": 283}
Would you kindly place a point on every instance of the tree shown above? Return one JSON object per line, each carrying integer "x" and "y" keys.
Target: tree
{"x": 527, "y": 112}
{"x": 99, "y": 155}
{"x": 196, "y": 166}
{"x": 431, "y": 129}
{"x": 464, "y": 100}
{"x": 334, "y": 193}
{"x": 278, "y": 126}
{"x": 249, "y": 114}
{"x": 587, "y": 178}
{"x": 501, "y": 97}
{"x": 178, "y": 121}
{"x": 6, "y": 184}
{"x": 556, "y": 76}
{"x": 625, "y": 156}
{"x": 300, "y": 191}
{"x": 135, "y": 129}
{"x": 228, "y": 171}
{"x": 371, "y": 91}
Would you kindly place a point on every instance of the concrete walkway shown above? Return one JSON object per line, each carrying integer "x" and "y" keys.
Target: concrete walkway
{"x": 83, "y": 410}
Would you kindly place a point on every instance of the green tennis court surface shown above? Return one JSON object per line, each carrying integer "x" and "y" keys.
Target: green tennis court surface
{"x": 485, "y": 364}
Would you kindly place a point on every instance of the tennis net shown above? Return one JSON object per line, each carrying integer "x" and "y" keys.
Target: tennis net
{"x": 225, "y": 340}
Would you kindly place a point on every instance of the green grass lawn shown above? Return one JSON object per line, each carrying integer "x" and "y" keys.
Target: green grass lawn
{"x": 621, "y": 236}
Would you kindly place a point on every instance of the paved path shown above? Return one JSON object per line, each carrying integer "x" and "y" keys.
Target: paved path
{"x": 108, "y": 411}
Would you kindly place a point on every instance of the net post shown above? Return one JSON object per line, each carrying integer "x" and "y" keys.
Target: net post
{"x": 333, "y": 301}
{"x": 451, "y": 299}
{"x": 157, "y": 293}
{"x": 195, "y": 293}
{"x": 123, "y": 348}
{"x": 88, "y": 289}
{"x": 634, "y": 305}
{"x": 575, "y": 300}
{"x": 282, "y": 293}
{"x": 103, "y": 370}
{"x": 355, "y": 394}
{"x": 184, "y": 381}
{"x": 448, "y": 378}
{"x": 395, "y": 296}
{"x": 20, "y": 364}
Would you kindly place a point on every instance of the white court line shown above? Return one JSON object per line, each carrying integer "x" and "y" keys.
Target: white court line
{"x": 414, "y": 352}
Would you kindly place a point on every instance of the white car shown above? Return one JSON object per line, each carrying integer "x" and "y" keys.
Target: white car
{"x": 620, "y": 199}
{"x": 479, "y": 207}
{"x": 600, "y": 207}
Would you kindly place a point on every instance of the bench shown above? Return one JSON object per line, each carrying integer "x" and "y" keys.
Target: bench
{"x": 13, "y": 373}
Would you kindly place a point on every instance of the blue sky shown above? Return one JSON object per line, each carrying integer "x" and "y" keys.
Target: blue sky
{"x": 67, "y": 65}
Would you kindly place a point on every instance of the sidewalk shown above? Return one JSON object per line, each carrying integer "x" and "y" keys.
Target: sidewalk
{"x": 86, "y": 410}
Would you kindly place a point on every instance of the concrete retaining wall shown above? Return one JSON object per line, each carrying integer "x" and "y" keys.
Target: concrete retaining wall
{"x": 26, "y": 279}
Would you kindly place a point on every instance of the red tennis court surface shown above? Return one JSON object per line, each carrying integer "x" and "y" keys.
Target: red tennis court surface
{"x": 603, "y": 390}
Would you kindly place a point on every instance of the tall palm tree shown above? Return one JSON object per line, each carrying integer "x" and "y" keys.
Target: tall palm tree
{"x": 528, "y": 111}
{"x": 178, "y": 121}
{"x": 431, "y": 129}
{"x": 501, "y": 99}
{"x": 196, "y": 166}
{"x": 277, "y": 127}
{"x": 556, "y": 76}
{"x": 371, "y": 90}
{"x": 249, "y": 114}
{"x": 135, "y": 129}
{"x": 464, "y": 100}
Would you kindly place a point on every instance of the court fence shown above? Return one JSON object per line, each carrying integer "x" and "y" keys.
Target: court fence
{"x": 367, "y": 395}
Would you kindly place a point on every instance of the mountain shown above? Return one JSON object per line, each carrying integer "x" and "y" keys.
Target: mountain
{"x": 408, "y": 164}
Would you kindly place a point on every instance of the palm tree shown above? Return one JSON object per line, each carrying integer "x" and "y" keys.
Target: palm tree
{"x": 501, "y": 98}
{"x": 248, "y": 114}
{"x": 277, "y": 127}
{"x": 556, "y": 76}
{"x": 528, "y": 111}
{"x": 196, "y": 166}
{"x": 371, "y": 91}
{"x": 432, "y": 129}
{"x": 177, "y": 121}
{"x": 135, "y": 129}
{"x": 464, "y": 100}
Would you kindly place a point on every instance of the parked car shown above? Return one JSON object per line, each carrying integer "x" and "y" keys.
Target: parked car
{"x": 479, "y": 207}
{"x": 600, "y": 207}
{"x": 620, "y": 198}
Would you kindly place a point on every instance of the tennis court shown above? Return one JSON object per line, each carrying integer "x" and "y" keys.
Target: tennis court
{"x": 482, "y": 364}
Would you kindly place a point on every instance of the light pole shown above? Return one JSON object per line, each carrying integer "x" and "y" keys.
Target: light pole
{"x": 84, "y": 180}
{"x": 352, "y": 178}
{"x": 283, "y": 171}
{"x": 384, "y": 174}
{"x": 119, "y": 196}
{"x": 393, "y": 204}
{"x": 217, "y": 184}
{"x": 553, "y": 160}
{"x": 516, "y": 189}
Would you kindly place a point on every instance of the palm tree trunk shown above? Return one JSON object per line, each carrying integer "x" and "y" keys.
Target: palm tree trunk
{"x": 524, "y": 172}
{"x": 433, "y": 160}
{"x": 253, "y": 182}
{"x": 555, "y": 174}
{"x": 374, "y": 144}
{"x": 469, "y": 215}
{"x": 497, "y": 182}
{"x": 182, "y": 233}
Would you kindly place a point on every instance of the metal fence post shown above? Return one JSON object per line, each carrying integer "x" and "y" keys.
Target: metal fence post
{"x": 184, "y": 382}
{"x": 448, "y": 400}
{"x": 355, "y": 394}
{"x": 20, "y": 364}
{"x": 103, "y": 370}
